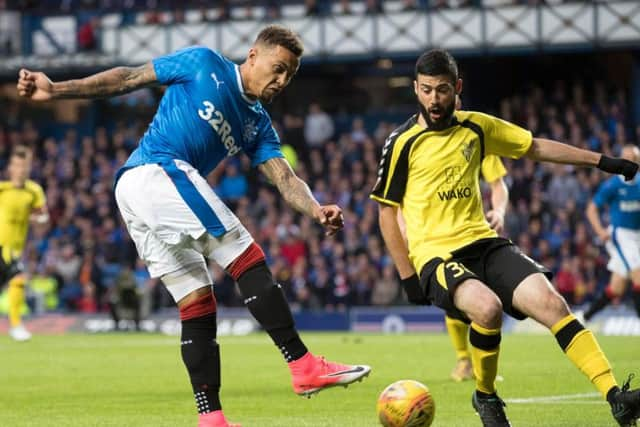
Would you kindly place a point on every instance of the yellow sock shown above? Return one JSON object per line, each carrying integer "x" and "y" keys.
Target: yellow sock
{"x": 16, "y": 299}
{"x": 583, "y": 350}
{"x": 485, "y": 348}
{"x": 458, "y": 332}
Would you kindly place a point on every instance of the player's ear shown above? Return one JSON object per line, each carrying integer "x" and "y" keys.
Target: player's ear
{"x": 459, "y": 87}
{"x": 415, "y": 87}
{"x": 251, "y": 56}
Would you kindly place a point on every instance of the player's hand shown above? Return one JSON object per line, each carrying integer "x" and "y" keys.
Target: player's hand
{"x": 34, "y": 85}
{"x": 413, "y": 289}
{"x": 330, "y": 217}
{"x": 618, "y": 166}
{"x": 496, "y": 220}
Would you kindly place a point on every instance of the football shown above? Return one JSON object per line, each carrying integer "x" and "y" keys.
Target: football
{"x": 406, "y": 403}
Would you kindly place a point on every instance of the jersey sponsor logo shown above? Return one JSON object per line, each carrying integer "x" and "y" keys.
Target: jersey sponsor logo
{"x": 218, "y": 82}
{"x": 467, "y": 150}
{"x": 452, "y": 174}
{"x": 455, "y": 186}
{"x": 455, "y": 193}
{"x": 216, "y": 120}
{"x": 630, "y": 205}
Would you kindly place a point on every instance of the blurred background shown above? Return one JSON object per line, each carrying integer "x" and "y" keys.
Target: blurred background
{"x": 568, "y": 70}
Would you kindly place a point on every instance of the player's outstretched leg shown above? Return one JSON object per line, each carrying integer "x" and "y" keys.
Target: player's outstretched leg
{"x": 625, "y": 403}
{"x": 266, "y": 302}
{"x": 311, "y": 374}
{"x": 583, "y": 350}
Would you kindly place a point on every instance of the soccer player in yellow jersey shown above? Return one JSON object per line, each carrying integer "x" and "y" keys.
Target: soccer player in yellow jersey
{"x": 458, "y": 327}
{"x": 21, "y": 201}
{"x": 430, "y": 168}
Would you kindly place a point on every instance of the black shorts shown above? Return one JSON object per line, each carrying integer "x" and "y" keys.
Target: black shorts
{"x": 496, "y": 262}
{"x": 9, "y": 269}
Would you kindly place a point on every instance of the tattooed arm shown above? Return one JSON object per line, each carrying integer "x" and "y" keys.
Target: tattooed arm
{"x": 115, "y": 81}
{"x": 298, "y": 195}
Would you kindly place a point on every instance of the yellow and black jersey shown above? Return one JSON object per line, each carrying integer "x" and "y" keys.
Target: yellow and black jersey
{"x": 16, "y": 205}
{"x": 434, "y": 177}
{"x": 492, "y": 168}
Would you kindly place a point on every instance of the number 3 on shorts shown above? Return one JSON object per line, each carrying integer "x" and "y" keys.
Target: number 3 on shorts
{"x": 456, "y": 269}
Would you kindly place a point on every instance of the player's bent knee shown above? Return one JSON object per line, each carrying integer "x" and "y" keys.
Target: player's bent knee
{"x": 491, "y": 315}
{"x": 190, "y": 283}
{"x": 251, "y": 257}
{"x": 487, "y": 312}
{"x": 555, "y": 303}
{"x": 198, "y": 303}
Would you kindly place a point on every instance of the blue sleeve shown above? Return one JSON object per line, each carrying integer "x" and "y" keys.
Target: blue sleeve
{"x": 181, "y": 66}
{"x": 605, "y": 193}
{"x": 268, "y": 145}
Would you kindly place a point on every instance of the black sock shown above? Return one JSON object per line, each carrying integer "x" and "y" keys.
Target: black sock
{"x": 482, "y": 395}
{"x": 636, "y": 300}
{"x": 201, "y": 356}
{"x": 600, "y": 303}
{"x": 266, "y": 302}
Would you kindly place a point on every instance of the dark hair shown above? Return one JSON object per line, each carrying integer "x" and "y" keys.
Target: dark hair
{"x": 277, "y": 35}
{"x": 22, "y": 151}
{"x": 437, "y": 62}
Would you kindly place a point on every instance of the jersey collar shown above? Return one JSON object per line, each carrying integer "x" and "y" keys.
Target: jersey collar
{"x": 241, "y": 88}
{"x": 454, "y": 122}
{"x": 632, "y": 182}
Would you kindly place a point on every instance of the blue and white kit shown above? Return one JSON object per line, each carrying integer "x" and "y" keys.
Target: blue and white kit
{"x": 172, "y": 214}
{"x": 623, "y": 201}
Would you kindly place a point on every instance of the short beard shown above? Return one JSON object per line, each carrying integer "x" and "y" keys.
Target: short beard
{"x": 443, "y": 122}
{"x": 264, "y": 100}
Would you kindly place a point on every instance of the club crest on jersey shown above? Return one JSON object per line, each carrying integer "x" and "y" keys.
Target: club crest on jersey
{"x": 249, "y": 130}
{"x": 467, "y": 150}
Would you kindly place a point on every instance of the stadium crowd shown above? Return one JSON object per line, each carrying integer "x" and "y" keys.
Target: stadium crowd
{"x": 84, "y": 255}
{"x": 310, "y": 7}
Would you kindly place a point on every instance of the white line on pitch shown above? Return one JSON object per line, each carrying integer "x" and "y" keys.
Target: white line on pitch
{"x": 549, "y": 399}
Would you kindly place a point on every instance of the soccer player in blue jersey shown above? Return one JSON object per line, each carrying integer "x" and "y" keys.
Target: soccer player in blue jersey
{"x": 211, "y": 110}
{"x": 622, "y": 237}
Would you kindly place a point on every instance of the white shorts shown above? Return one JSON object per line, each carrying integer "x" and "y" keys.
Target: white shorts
{"x": 176, "y": 220}
{"x": 624, "y": 250}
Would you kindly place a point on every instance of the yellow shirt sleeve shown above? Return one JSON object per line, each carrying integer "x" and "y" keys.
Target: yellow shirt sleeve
{"x": 393, "y": 171}
{"x": 39, "y": 198}
{"x": 492, "y": 168}
{"x": 503, "y": 138}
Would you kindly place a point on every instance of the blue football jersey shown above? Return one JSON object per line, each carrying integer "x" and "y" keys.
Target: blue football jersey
{"x": 204, "y": 115}
{"x": 623, "y": 199}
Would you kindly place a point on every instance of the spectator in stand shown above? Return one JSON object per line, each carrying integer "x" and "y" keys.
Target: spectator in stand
{"x": 82, "y": 209}
{"x": 318, "y": 126}
{"x": 67, "y": 268}
{"x": 566, "y": 280}
{"x": 88, "y": 35}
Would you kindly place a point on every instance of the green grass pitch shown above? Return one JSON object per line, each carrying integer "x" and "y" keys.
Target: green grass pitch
{"x": 132, "y": 380}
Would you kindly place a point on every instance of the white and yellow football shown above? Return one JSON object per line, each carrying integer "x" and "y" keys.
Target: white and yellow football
{"x": 406, "y": 403}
